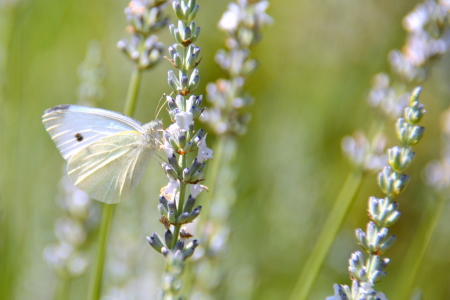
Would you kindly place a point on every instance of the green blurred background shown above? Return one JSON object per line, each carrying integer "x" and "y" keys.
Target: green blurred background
{"x": 317, "y": 61}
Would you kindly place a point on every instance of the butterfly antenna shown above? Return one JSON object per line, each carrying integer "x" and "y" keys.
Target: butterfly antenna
{"x": 159, "y": 110}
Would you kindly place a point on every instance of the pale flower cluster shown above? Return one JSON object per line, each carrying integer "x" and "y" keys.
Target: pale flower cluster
{"x": 363, "y": 291}
{"x": 184, "y": 122}
{"x": 71, "y": 230}
{"x": 425, "y": 39}
{"x": 364, "y": 153}
{"x": 238, "y": 13}
{"x": 387, "y": 99}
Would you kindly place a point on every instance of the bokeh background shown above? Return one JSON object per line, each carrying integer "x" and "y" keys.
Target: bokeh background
{"x": 317, "y": 61}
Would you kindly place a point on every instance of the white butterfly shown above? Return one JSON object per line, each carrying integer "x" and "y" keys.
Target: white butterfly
{"x": 106, "y": 152}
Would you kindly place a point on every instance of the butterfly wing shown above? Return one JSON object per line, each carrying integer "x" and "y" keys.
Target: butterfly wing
{"x": 74, "y": 127}
{"x": 109, "y": 169}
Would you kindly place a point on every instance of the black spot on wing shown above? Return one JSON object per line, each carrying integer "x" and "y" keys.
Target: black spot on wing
{"x": 57, "y": 107}
{"x": 79, "y": 137}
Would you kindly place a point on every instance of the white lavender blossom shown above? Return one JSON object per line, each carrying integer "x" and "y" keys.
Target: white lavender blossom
{"x": 242, "y": 23}
{"x": 358, "y": 292}
{"x": 383, "y": 212}
{"x": 437, "y": 176}
{"x": 181, "y": 141}
{"x": 145, "y": 17}
{"x": 71, "y": 230}
{"x": 388, "y": 100}
{"x": 389, "y": 94}
{"x": 427, "y": 39}
{"x": 365, "y": 154}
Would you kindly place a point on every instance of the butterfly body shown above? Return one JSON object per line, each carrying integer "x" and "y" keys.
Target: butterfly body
{"x": 106, "y": 152}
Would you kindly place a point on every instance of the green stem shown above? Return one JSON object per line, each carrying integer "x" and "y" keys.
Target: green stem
{"x": 133, "y": 90}
{"x": 63, "y": 288}
{"x": 96, "y": 281}
{"x": 327, "y": 235}
{"x": 11, "y": 246}
{"x": 417, "y": 249}
{"x": 108, "y": 209}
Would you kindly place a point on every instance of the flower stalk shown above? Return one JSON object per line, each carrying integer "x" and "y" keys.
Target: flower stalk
{"x": 186, "y": 151}
{"x": 105, "y": 224}
{"x": 427, "y": 40}
{"x": 365, "y": 272}
{"x": 437, "y": 176}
